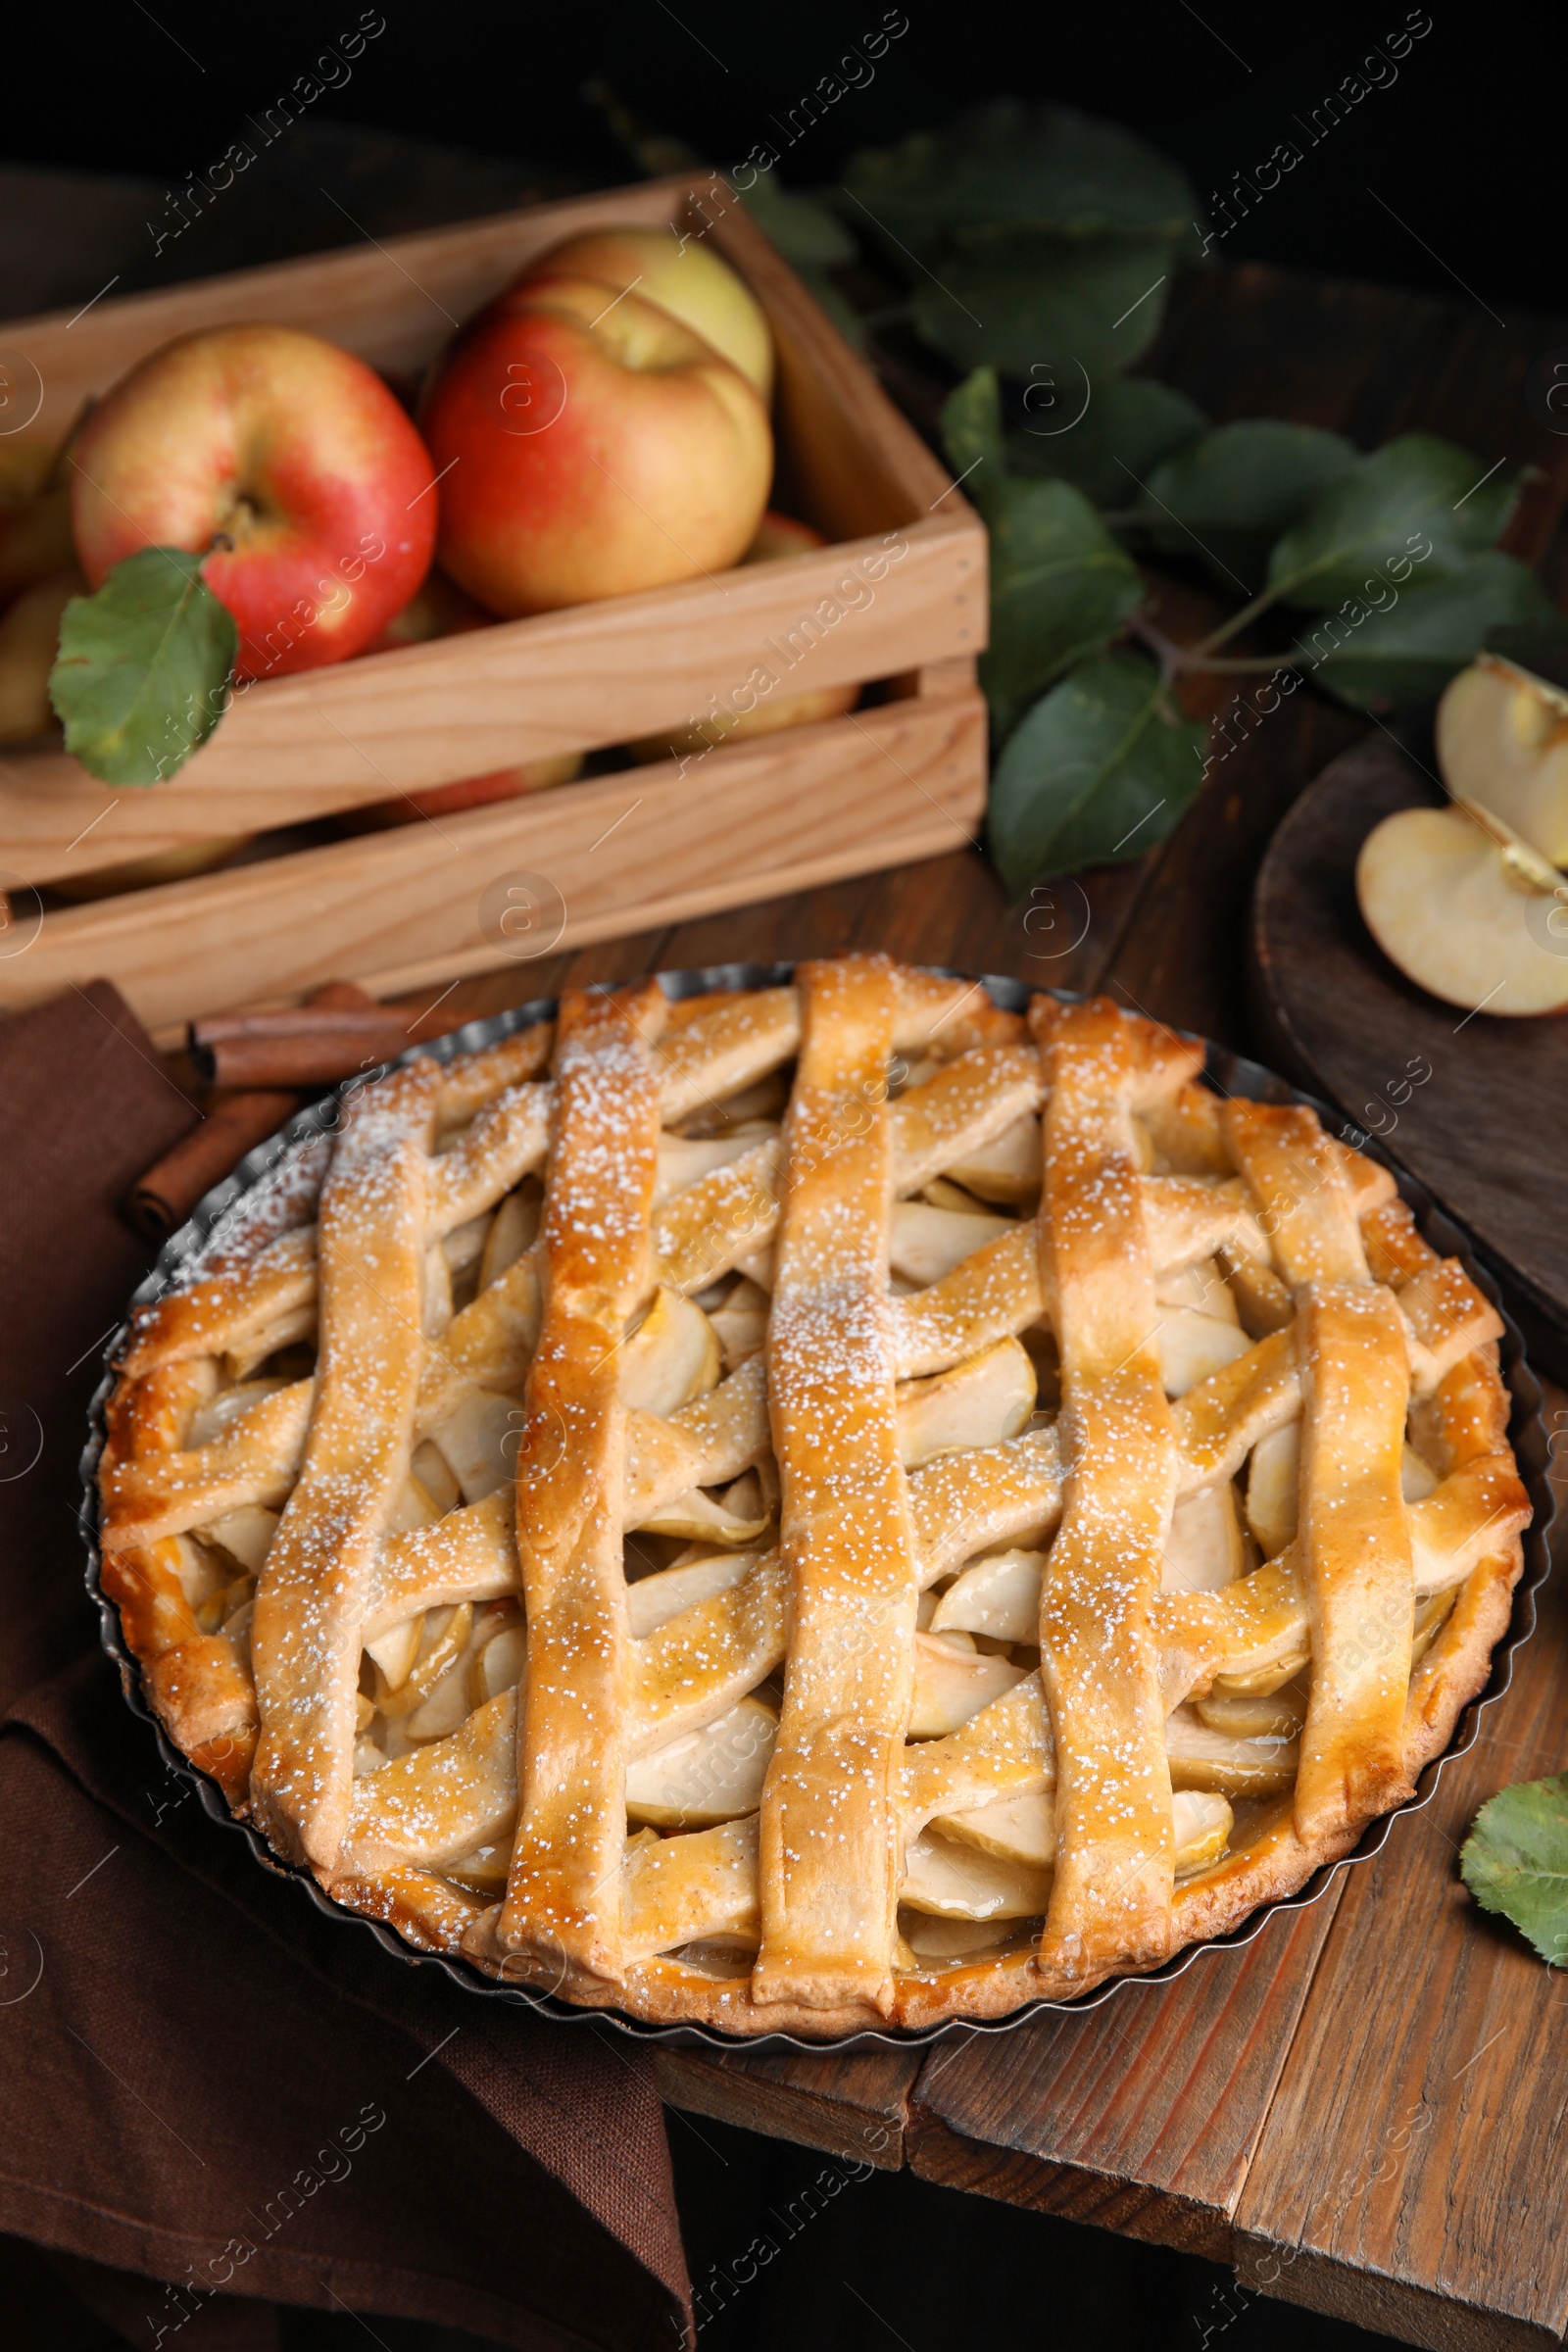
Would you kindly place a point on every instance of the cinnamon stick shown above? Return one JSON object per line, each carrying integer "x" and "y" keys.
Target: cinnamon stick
{"x": 159, "y": 1203}
{"x": 340, "y": 1031}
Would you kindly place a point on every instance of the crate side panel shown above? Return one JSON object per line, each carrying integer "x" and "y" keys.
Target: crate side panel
{"x": 364, "y": 731}
{"x": 783, "y": 813}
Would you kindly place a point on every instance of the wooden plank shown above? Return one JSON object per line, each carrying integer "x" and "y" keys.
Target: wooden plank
{"x": 429, "y": 900}
{"x": 1411, "y": 2313}
{"x": 1120, "y": 2161}
{"x": 854, "y": 2103}
{"x": 1409, "y": 2172}
{"x": 1117, "y": 2144}
{"x": 1140, "y": 2116}
{"x": 297, "y": 748}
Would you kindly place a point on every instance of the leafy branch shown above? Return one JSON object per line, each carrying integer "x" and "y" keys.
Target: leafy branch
{"x": 1042, "y": 247}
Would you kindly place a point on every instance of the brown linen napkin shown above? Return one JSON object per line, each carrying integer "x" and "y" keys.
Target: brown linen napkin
{"x": 216, "y": 2098}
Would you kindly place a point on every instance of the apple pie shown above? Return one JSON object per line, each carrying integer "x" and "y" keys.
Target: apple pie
{"x": 818, "y": 1507}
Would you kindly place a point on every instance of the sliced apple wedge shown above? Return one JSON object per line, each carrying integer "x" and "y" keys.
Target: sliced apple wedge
{"x": 1502, "y": 740}
{"x": 1466, "y": 910}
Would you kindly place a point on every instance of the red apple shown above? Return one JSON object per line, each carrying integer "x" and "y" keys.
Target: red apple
{"x": 291, "y": 449}
{"x": 590, "y": 445}
{"x": 468, "y": 792}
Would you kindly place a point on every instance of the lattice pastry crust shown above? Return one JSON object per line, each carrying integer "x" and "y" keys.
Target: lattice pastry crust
{"x": 826, "y": 1506}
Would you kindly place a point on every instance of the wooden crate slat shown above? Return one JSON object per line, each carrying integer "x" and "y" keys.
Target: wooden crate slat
{"x": 852, "y": 454}
{"x": 363, "y": 731}
{"x": 649, "y": 845}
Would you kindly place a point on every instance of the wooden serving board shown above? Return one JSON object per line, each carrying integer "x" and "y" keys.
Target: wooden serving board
{"x": 1488, "y": 1130}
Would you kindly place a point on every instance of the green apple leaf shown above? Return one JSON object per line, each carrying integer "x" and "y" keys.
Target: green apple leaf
{"x": 1226, "y": 498}
{"x": 1376, "y": 658}
{"x": 1060, "y": 586}
{"x": 142, "y": 675}
{"x": 972, "y": 428}
{"x": 1416, "y": 500}
{"x": 1131, "y": 423}
{"x": 1515, "y": 1860}
{"x": 1085, "y": 308}
{"x": 1006, "y": 166}
{"x": 1096, "y": 773}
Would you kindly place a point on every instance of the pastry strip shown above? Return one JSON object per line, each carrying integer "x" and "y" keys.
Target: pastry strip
{"x": 719, "y": 1220}
{"x": 221, "y": 1312}
{"x": 829, "y": 1842}
{"x": 255, "y": 1460}
{"x": 1001, "y": 1287}
{"x": 718, "y": 1049}
{"x": 1354, "y": 1541}
{"x": 1297, "y": 1178}
{"x": 305, "y": 1641}
{"x": 564, "y": 1892}
{"x": 1111, "y": 1892}
{"x": 473, "y": 1080}
{"x": 461, "y": 1791}
{"x": 489, "y": 1343}
{"x": 506, "y": 1141}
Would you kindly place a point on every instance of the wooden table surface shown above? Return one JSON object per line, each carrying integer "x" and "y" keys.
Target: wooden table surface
{"x": 1363, "y": 2110}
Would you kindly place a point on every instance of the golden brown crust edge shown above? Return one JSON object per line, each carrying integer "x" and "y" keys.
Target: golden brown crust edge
{"x": 190, "y": 1681}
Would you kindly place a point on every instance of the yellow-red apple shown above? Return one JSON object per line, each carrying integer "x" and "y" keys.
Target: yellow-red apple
{"x": 289, "y": 453}
{"x": 590, "y": 447}
{"x": 683, "y": 277}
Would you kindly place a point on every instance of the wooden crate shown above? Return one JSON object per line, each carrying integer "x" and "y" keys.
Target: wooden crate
{"x": 902, "y": 778}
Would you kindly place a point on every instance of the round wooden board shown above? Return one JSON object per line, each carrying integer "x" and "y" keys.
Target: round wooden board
{"x": 1488, "y": 1130}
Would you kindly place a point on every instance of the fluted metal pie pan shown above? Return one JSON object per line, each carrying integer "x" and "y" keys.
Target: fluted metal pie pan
{"x": 1230, "y": 1072}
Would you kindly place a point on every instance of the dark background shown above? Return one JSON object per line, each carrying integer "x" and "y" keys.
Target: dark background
{"x": 1465, "y": 154}
{"x": 1466, "y": 146}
